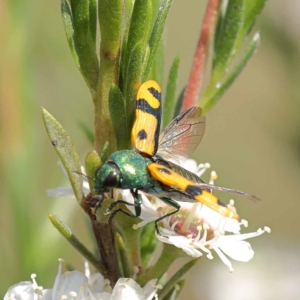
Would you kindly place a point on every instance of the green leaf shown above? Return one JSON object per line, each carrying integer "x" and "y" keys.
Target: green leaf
{"x": 92, "y": 164}
{"x": 169, "y": 103}
{"x": 110, "y": 21}
{"x": 233, "y": 21}
{"x": 148, "y": 244}
{"x": 66, "y": 152}
{"x": 169, "y": 254}
{"x": 81, "y": 15}
{"x": 122, "y": 256}
{"x": 72, "y": 239}
{"x": 69, "y": 29}
{"x": 131, "y": 238}
{"x": 176, "y": 290}
{"x": 139, "y": 28}
{"x": 252, "y": 10}
{"x": 133, "y": 80}
{"x": 93, "y": 19}
{"x": 89, "y": 134}
{"x": 157, "y": 70}
{"x": 119, "y": 118}
{"x": 128, "y": 8}
{"x": 175, "y": 278}
{"x": 145, "y": 61}
{"x": 157, "y": 33}
{"x": 87, "y": 47}
{"x": 213, "y": 95}
{"x": 178, "y": 105}
{"x": 220, "y": 20}
{"x": 104, "y": 152}
{"x": 78, "y": 34}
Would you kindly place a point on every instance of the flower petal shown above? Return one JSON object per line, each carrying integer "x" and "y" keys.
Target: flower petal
{"x": 240, "y": 251}
{"x": 127, "y": 289}
{"x": 21, "y": 291}
{"x": 69, "y": 282}
{"x": 180, "y": 242}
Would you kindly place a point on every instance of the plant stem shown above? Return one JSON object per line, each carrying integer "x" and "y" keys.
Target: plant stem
{"x": 196, "y": 76}
{"x": 168, "y": 256}
{"x": 105, "y": 238}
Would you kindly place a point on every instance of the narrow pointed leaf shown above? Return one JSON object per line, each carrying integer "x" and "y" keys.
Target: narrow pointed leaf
{"x": 104, "y": 152}
{"x": 119, "y": 118}
{"x": 179, "y": 103}
{"x": 252, "y": 10}
{"x": 157, "y": 33}
{"x": 89, "y": 64}
{"x": 145, "y": 61}
{"x": 173, "y": 294}
{"x": 81, "y": 15}
{"x": 93, "y": 19}
{"x": 169, "y": 103}
{"x": 66, "y": 152}
{"x": 169, "y": 254}
{"x": 139, "y": 28}
{"x": 233, "y": 21}
{"x": 208, "y": 99}
{"x": 69, "y": 29}
{"x": 220, "y": 20}
{"x": 175, "y": 278}
{"x": 148, "y": 244}
{"x": 110, "y": 21}
{"x": 72, "y": 239}
{"x": 131, "y": 238}
{"x": 92, "y": 164}
{"x": 157, "y": 70}
{"x": 133, "y": 80}
{"x": 82, "y": 49}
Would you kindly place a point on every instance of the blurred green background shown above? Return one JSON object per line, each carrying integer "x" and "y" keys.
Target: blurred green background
{"x": 252, "y": 140}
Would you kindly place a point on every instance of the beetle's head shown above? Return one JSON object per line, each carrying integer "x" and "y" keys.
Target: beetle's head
{"x": 108, "y": 176}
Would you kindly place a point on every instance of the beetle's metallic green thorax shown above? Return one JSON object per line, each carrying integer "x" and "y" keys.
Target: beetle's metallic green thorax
{"x": 129, "y": 168}
{"x": 133, "y": 168}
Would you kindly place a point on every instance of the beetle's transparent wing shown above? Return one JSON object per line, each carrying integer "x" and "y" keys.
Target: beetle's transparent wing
{"x": 181, "y": 137}
{"x": 208, "y": 186}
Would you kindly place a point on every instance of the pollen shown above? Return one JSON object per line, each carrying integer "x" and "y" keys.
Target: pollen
{"x": 73, "y": 294}
{"x": 213, "y": 175}
{"x": 267, "y": 229}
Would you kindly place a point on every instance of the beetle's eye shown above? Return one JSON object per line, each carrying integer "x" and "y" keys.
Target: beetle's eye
{"x": 111, "y": 180}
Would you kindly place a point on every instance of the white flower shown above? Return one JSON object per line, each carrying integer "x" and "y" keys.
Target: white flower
{"x": 79, "y": 286}
{"x": 196, "y": 228}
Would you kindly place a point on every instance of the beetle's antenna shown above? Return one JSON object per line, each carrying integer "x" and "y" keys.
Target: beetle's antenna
{"x": 84, "y": 175}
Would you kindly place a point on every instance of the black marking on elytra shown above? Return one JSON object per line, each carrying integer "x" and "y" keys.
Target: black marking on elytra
{"x": 165, "y": 171}
{"x": 142, "y": 135}
{"x": 144, "y": 106}
{"x": 221, "y": 203}
{"x": 193, "y": 190}
{"x": 54, "y": 142}
{"x": 155, "y": 93}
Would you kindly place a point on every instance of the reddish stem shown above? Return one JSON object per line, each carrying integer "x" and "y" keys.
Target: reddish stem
{"x": 196, "y": 76}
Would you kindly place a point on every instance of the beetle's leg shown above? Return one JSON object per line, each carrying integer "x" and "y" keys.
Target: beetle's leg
{"x": 171, "y": 203}
{"x": 137, "y": 204}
